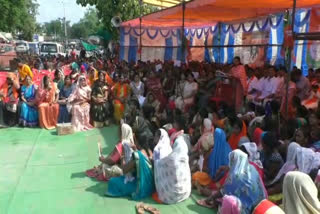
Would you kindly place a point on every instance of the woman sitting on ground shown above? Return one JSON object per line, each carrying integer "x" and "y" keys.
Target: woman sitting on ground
{"x": 58, "y": 79}
{"x": 188, "y": 94}
{"x": 100, "y": 107}
{"x": 137, "y": 181}
{"x": 65, "y": 92}
{"x": 48, "y": 96}
{"x": 9, "y": 97}
{"x": 270, "y": 157}
{"x": 173, "y": 178}
{"x": 137, "y": 88}
{"x": 111, "y": 165}
{"x": 204, "y": 144}
{"x": 239, "y": 130}
{"x": 79, "y": 100}
{"x": 29, "y": 113}
{"x": 300, "y": 195}
{"x": 243, "y": 182}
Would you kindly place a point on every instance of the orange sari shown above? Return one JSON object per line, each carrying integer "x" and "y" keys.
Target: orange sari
{"x": 48, "y": 111}
{"x": 234, "y": 139}
{"x": 121, "y": 91}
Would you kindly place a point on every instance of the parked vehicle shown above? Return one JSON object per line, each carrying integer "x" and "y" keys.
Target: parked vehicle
{"x": 22, "y": 46}
{"x": 34, "y": 48}
{"x": 51, "y": 48}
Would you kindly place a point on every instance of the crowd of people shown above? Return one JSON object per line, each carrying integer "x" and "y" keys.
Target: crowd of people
{"x": 252, "y": 151}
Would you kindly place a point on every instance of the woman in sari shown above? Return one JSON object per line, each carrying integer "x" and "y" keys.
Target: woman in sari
{"x": 121, "y": 92}
{"x": 243, "y": 182}
{"x": 137, "y": 88}
{"x": 28, "y": 113}
{"x": 153, "y": 84}
{"x": 48, "y": 107}
{"x": 300, "y": 194}
{"x": 137, "y": 180}
{"x": 111, "y": 165}
{"x": 172, "y": 173}
{"x": 188, "y": 94}
{"x": 100, "y": 109}
{"x": 275, "y": 186}
{"x": 239, "y": 130}
{"x": 204, "y": 144}
{"x": 65, "y": 92}
{"x": 217, "y": 161}
{"x": 292, "y": 90}
{"x": 151, "y": 101}
{"x": 9, "y": 97}
{"x": 79, "y": 100}
{"x": 59, "y": 79}
{"x": 239, "y": 73}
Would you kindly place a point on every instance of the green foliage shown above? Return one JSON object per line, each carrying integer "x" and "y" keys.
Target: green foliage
{"x": 18, "y": 16}
{"x": 126, "y": 9}
{"x": 87, "y": 26}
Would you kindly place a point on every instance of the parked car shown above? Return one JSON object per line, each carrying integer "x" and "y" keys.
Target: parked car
{"x": 22, "y": 47}
{"x": 34, "y": 48}
{"x": 51, "y": 48}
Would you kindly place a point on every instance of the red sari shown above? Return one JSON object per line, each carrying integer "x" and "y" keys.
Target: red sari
{"x": 154, "y": 86}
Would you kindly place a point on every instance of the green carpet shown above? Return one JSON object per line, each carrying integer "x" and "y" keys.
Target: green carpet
{"x": 42, "y": 173}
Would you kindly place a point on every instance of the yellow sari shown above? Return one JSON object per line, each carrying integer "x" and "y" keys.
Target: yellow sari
{"x": 121, "y": 91}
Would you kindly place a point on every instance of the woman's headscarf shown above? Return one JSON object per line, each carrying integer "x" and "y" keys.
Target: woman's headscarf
{"x": 307, "y": 159}
{"x": 163, "y": 148}
{"x": 257, "y": 136}
{"x": 206, "y": 140}
{"x": 254, "y": 155}
{"x": 244, "y": 181}
{"x": 220, "y": 153}
{"x": 290, "y": 163}
{"x": 126, "y": 134}
{"x": 300, "y": 195}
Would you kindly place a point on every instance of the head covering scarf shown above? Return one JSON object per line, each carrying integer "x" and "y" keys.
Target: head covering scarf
{"x": 254, "y": 155}
{"x": 127, "y": 143}
{"x": 206, "y": 140}
{"x": 243, "y": 140}
{"x": 220, "y": 153}
{"x": 230, "y": 205}
{"x": 290, "y": 163}
{"x": 257, "y": 136}
{"x": 307, "y": 160}
{"x": 244, "y": 181}
{"x": 300, "y": 195}
{"x": 163, "y": 148}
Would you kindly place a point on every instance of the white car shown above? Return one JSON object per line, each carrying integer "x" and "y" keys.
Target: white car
{"x": 51, "y": 48}
{"x": 22, "y": 47}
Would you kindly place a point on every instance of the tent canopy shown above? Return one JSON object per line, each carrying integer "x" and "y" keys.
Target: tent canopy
{"x": 207, "y": 12}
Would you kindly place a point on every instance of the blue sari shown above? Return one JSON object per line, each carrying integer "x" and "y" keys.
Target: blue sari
{"x": 244, "y": 182}
{"x": 220, "y": 153}
{"x": 64, "y": 115}
{"x": 141, "y": 187}
{"x": 29, "y": 114}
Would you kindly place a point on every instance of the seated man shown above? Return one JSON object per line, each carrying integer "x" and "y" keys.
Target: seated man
{"x": 9, "y": 97}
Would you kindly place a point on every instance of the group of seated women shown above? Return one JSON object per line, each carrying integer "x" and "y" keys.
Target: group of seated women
{"x": 243, "y": 157}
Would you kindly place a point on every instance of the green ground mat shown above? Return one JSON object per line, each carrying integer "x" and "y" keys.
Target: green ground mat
{"x": 42, "y": 173}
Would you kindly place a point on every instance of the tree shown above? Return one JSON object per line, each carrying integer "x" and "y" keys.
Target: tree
{"x": 19, "y": 17}
{"x": 126, "y": 9}
{"x": 87, "y": 26}
{"x": 55, "y": 28}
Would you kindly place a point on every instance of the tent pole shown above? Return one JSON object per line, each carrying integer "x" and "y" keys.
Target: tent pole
{"x": 182, "y": 33}
{"x": 289, "y": 61}
{"x": 140, "y": 26}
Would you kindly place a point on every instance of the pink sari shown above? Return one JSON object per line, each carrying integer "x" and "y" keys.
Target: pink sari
{"x": 239, "y": 73}
{"x": 80, "y": 108}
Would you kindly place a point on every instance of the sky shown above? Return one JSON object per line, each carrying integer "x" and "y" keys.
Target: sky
{"x": 52, "y": 9}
